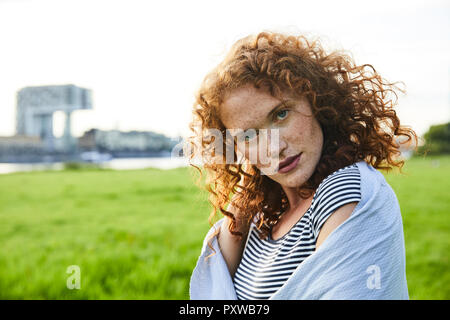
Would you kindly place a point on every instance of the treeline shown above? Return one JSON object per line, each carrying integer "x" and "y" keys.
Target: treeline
{"x": 437, "y": 140}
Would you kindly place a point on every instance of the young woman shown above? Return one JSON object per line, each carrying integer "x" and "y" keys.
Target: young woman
{"x": 319, "y": 221}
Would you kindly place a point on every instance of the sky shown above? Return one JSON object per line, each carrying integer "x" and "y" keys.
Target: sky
{"x": 144, "y": 60}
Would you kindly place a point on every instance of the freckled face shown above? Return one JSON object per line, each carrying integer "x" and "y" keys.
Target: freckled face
{"x": 299, "y": 132}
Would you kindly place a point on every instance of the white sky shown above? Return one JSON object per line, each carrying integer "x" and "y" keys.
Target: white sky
{"x": 144, "y": 59}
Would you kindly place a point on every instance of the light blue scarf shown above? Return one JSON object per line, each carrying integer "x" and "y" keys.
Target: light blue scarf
{"x": 363, "y": 258}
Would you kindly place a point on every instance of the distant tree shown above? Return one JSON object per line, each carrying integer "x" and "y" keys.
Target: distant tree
{"x": 437, "y": 140}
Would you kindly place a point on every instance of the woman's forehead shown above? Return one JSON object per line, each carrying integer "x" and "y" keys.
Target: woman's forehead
{"x": 246, "y": 105}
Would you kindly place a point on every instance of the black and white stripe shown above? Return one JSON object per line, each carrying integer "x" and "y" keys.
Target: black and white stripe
{"x": 267, "y": 264}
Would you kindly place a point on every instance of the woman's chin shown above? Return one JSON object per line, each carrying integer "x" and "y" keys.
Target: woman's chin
{"x": 290, "y": 181}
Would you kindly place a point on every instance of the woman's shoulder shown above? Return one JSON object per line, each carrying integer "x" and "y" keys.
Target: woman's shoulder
{"x": 344, "y": 177}
{"x": 338, "y": 189}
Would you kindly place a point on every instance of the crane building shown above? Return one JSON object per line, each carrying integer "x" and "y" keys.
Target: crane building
{"x": 35, "y": 108}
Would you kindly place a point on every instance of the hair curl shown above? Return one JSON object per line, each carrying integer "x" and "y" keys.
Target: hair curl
{"x": 352, "y": 104}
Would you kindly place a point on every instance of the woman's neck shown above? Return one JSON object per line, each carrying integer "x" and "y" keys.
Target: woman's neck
{"x": 295, "y": 202}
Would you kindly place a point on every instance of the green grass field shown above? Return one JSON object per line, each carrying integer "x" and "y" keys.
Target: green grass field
{"x": 137, "y": 234}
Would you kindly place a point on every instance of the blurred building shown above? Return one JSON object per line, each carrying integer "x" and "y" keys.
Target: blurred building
{"x": 35, "y": 108}
{"x": 115, "y": 141}
{"x": 13, "y": 148}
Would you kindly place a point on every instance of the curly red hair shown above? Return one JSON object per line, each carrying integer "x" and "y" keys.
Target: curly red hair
{"x": 352, "y": 104}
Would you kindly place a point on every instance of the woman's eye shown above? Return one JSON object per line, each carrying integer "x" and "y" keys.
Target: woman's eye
{"x": 283, "y": 114}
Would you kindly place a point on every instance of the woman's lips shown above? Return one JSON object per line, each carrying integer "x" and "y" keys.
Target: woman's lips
{"x": 291, "y": 165}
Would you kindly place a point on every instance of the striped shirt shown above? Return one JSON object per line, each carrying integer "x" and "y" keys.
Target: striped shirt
{"x": 267, "y": 264}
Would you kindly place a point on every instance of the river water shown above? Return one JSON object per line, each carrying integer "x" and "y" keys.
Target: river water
{"x": 115, "y": 164}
